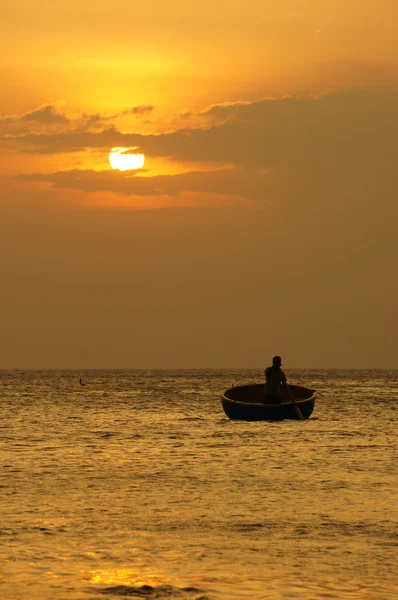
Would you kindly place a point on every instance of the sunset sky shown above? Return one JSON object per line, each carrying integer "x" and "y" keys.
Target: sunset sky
{"x": 265, "y": 218}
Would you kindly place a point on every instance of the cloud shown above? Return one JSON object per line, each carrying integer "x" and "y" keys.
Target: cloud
{"x": 136, "y": 111}
{"x": 246, "y": 183}
{"x": 66, "y": 141}
{"x": 338, "y": 151}
{"x": 344, "y": 130}
{"x": 49, "y": 119}
{"x": 224, "y": 111}
{"x": 48, "y": 114}
{"x": 215, "y": 113}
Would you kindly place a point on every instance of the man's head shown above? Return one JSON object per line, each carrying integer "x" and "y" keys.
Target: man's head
{"x": 276, "y": 361}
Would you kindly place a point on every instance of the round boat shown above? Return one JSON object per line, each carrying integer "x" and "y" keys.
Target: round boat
{"x": 246, "y": 403}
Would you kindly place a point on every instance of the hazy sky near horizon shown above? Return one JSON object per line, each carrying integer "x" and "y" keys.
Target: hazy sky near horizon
{"x": 265, "y": 218}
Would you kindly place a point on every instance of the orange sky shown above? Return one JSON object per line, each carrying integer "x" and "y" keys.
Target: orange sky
{"x": 264, "y": 221}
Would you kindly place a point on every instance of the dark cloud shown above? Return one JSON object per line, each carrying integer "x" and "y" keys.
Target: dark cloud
{"x": 246, "y": 183}
{"x": 339, "y": 129}
{"x": 224, "y": 111}
{"x": 68, "y": 141}
{"x": 136, "y": 111}
{"x": 47, "y": 114}
{"x": 339, "y": 150}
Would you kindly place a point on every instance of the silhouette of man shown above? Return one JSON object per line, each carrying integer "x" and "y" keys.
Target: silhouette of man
{"x": 275, "y": 379}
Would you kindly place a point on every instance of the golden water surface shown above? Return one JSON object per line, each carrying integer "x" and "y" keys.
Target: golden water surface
{"x": 135, "y": 484}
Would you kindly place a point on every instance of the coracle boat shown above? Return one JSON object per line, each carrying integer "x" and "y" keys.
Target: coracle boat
{"x": 246, "y": 403}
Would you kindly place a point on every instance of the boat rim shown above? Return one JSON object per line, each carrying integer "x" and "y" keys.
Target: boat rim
{"x": 257, "y": 404}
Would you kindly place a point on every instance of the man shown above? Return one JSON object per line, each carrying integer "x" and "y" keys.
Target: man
{"x": 275, "y": 379}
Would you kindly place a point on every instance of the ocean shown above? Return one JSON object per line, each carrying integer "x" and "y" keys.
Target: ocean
{"x": 136, "y": 485}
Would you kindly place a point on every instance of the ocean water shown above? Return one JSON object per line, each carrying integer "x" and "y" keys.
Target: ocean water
{"x": 136, "y": 485}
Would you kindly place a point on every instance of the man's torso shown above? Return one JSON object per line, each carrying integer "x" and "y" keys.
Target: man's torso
{"x": 274, "y": 378}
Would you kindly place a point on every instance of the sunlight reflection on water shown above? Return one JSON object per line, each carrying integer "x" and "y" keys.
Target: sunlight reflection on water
{"x": 126, "y": 576}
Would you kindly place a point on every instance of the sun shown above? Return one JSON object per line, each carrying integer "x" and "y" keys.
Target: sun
{"x": 124, "y": 160}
